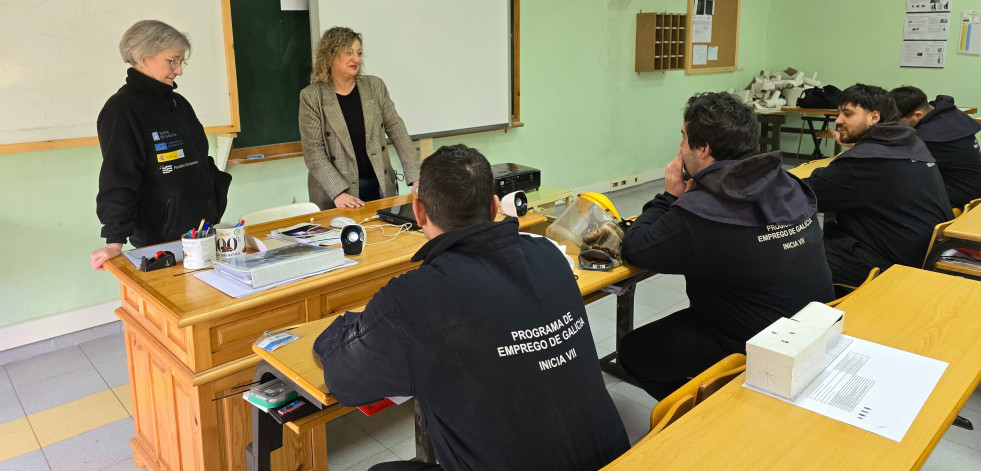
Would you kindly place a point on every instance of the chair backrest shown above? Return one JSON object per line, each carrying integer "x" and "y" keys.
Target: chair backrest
{"x": 662, "y": 408}
{"x": 677, "y": 409}
{"x": 711, "y": 385}
{"x": 872, "y": 274}
{"x": 280, "y": 212}
{"x": 972, "y": 204}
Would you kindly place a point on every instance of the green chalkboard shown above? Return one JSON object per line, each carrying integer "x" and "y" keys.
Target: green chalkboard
{"x": 273, "y": 62}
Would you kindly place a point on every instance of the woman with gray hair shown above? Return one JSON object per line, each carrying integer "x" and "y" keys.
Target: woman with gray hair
{"x": 157, "y": 179}
{"x": 344, "y": 117}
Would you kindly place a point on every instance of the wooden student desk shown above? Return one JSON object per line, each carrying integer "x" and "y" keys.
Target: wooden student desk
{"x": 296, "y": 364}
{"x": 188, "y": 346}
{"x": 922, "y": 312}
{"x": 963, "y": 232}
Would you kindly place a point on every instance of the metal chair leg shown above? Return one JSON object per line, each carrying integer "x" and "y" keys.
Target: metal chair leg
{"x": 963, "y": 423}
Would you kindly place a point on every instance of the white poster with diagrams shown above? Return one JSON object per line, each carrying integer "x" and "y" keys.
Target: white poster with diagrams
{"x": 925, "y": 29}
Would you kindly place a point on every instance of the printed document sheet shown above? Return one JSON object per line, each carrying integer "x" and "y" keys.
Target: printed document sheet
{"x": 873, "y": 387}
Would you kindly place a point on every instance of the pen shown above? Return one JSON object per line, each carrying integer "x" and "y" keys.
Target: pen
{"x": 194, "y": 233}
{"x": 240, "y": 223}
{"x": 201, "y": 225}
{"x": 205, "y": 232}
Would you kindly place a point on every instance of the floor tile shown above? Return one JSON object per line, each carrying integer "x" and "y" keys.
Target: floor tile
{"x": 32, "y": 461}
{"x": 635, "y": 394}
{"x": 406, "y": 449}
{"x": 601, "y": 327}
{"x": 658, "y": 296}
{"x": 390, "y": 426}
{"x": 675, "y": 282}
{"x": 4, "y": 380}
{"x": 66, "y": 387}
{"x": 46, "y": 366}
{"x": 636, "y": 418}
{"x": 949, "y": 456}
{"x": 114, "y": 370}
{"x": 92, "y": 450}
{"x": 16, "y": 438}
{"x": 382, "y": 457}
{"x": 76, "y": 417}
{"x": 610, "y": 380}
{"x": 105, "y": 348}
{"x": 126, "y": 464}
{"x": 606, "y": 346}
{"x": 348, "y": 445}
{"x": 10, "y": 408}
{"x": 964, "y": 437}
{"x": 606, "y": 307}
{"x": 124, "y": 395}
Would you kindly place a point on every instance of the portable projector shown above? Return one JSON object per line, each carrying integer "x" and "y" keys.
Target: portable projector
{"x": 512, "y": 177}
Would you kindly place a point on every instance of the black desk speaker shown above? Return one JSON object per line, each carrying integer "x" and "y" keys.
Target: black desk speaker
{"x": 352, "y": 239}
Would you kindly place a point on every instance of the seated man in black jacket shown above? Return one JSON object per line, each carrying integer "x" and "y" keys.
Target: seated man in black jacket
{"x": 490, "y": 335}
{"x": 949, "y": 135}
{"x": 886, "y": 191}
{"x": 743, "y": 231}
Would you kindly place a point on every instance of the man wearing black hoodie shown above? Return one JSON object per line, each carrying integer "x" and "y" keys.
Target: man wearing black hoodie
{"x": 886, "y": 191}
{"x": 949, "y": 135}
{"x": 490, "y": 335}
{"x": 743, "y": 231}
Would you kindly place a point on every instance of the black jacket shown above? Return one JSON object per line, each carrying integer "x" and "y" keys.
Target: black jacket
{"x": 747, "y": 239}
{"x": 491, "y": 337}
{"x": 157, "y": 180}
{"x": 949, "y": 135}
{"x": 886, "y": 193}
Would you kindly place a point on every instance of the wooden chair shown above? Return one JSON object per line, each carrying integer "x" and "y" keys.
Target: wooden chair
{"x": 684, "y": 399}
{"x": 711, "y": 385}
{"x": 872, "y": 274}
{"x": 280, "y": 212}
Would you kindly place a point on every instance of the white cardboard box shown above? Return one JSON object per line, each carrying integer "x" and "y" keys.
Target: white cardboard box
{"x": 785, "y": 357}
{"x": 822, "y": 316}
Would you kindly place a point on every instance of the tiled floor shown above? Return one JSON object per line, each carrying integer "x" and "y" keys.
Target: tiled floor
{"x": 69, "y": 409}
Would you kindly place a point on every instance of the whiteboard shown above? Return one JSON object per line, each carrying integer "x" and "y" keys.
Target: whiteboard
{"x": 446, "y": 63}
{"x": 61, "y": 63}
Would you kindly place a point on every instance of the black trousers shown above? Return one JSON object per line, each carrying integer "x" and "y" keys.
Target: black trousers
{"x": 850, "y": 260}
{"x": 663, "y": 355}
{"x": 405, "y": 466}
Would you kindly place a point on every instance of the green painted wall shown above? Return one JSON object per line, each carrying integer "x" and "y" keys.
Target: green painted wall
{"x": 850, "y": 42}
{"x": 588, "y": 118}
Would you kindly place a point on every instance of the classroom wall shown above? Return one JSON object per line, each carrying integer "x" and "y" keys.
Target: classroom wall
{"x": 850, "y": 42}
{"x": 588, "y": 118}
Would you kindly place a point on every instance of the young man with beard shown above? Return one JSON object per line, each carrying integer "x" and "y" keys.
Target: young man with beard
{"x": 742, "y": 231}
{"x": 886, "y": 192}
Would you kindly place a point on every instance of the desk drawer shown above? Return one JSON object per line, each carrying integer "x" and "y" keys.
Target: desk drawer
{"x": 232, "y": 339}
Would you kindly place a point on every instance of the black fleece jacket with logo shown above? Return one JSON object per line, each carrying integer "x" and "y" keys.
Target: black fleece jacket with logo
{"x": 157, "y": 180}
{"x": 491, "y": 337}
{"x": 747, "y": 240}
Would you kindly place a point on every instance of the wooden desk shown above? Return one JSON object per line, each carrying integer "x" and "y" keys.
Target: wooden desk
{"x": 805, "y": 169}
{"x": 921, "y": 312}
{"x": 964, "y": 232}
{"x": 188, "y": 344}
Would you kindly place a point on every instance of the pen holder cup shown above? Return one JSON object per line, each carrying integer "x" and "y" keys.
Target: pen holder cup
{"x": 198, "y": 253}
{"x": 231, "y": 240}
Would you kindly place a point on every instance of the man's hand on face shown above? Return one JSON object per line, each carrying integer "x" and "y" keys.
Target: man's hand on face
{"x": 674, "y": 183}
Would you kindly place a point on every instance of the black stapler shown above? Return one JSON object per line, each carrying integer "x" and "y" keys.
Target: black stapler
{"x": 160, "y": 260}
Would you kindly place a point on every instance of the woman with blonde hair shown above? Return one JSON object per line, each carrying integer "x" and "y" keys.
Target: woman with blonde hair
{"x": 344, "y": 117}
